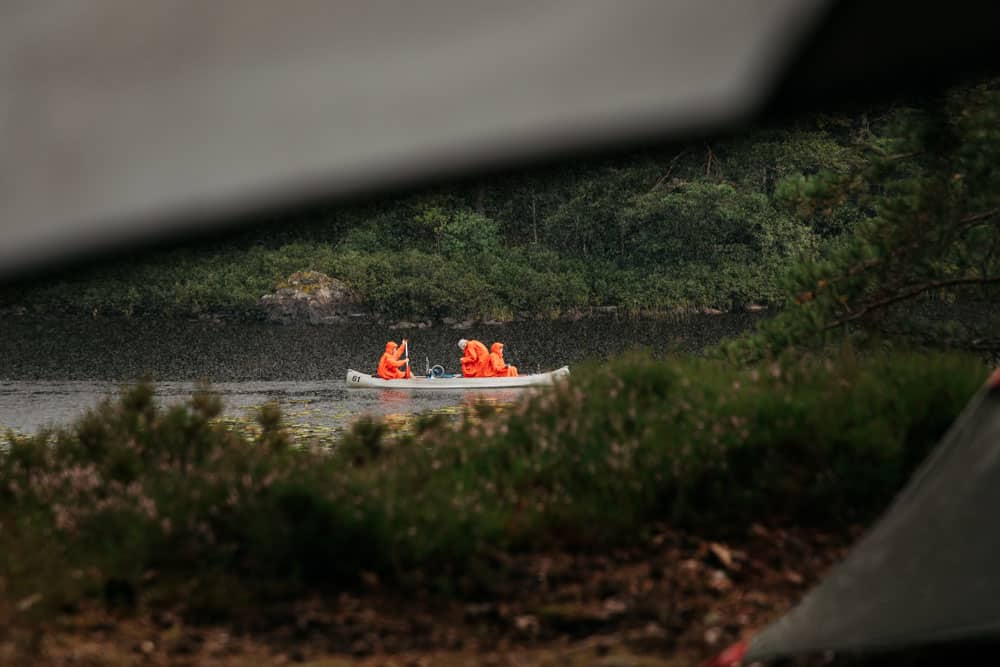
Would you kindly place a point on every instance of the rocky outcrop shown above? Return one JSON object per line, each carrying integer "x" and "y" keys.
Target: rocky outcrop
{"x": 311, "y": 296}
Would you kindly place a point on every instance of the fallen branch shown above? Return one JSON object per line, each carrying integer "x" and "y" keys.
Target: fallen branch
{"x": 902, "y": 156}
{"x": 670, "y": 169}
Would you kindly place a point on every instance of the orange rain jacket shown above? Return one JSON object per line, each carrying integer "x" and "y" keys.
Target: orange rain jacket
{"x": 389, "y": 366}
{"x": 476, "y": 360}
{"x": 499, "y": 367}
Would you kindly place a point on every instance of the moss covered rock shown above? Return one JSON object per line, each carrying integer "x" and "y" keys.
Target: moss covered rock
{"x": 313, "y": 297}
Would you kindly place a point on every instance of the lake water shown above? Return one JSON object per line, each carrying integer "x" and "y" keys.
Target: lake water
{"x": 52, "y": 370}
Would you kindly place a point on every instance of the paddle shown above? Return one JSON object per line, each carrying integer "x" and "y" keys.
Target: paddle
{"x": 406, "y": 352}
{"x": 406, "y": 347}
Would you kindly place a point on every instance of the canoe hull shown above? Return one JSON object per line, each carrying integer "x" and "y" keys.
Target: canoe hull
{"x": 359, "y": 380}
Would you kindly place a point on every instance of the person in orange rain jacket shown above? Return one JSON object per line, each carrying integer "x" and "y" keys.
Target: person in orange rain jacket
{"x": 476, "y": 360}
{"x": 499, "y": 367}
{"x": 390, "y": 366}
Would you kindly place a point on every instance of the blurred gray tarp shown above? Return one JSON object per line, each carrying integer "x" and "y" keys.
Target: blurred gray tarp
{"x": 928, "y": 571}
{"x": 121, "y": 120}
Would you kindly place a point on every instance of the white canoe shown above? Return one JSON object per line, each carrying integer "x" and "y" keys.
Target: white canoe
{"x": 359, "y": 380}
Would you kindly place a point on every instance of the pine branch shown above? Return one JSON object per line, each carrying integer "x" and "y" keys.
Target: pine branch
{"x": 963, "y": 225}
{"x": 979, "y": 217}
{"x": 909, "y": 294}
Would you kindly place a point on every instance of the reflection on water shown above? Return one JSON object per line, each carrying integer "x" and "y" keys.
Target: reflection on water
{"x": 317, "y": 409}
{"x": 390, "y": 397}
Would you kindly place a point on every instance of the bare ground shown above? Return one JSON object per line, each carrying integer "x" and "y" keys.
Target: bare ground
{"x": 674, "y": 600}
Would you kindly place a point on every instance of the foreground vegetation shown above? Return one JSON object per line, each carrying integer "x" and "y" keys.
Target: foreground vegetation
{"x": 138, "y": 502}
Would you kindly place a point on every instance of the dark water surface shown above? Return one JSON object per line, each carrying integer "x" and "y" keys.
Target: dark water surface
{"x": 51, "y": 370}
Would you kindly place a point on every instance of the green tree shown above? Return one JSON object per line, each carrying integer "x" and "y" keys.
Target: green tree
{"x": 934, "y": 187}
{"x": 468, "y": 235}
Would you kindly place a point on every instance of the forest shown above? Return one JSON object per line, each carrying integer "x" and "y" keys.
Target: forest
{"x": 842, "y": 214}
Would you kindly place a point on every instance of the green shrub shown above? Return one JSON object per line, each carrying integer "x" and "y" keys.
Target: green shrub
{"x": 133, "y": 488}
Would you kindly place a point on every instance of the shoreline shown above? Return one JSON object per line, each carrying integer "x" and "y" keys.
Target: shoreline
{"x": 594, "y": 313}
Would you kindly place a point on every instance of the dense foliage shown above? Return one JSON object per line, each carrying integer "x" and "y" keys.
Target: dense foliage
{"x": 168, "y": 501}
{"x": 675, "y": 228}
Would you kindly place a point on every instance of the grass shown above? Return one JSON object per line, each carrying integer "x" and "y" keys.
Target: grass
{"x": 138, "y": 503}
